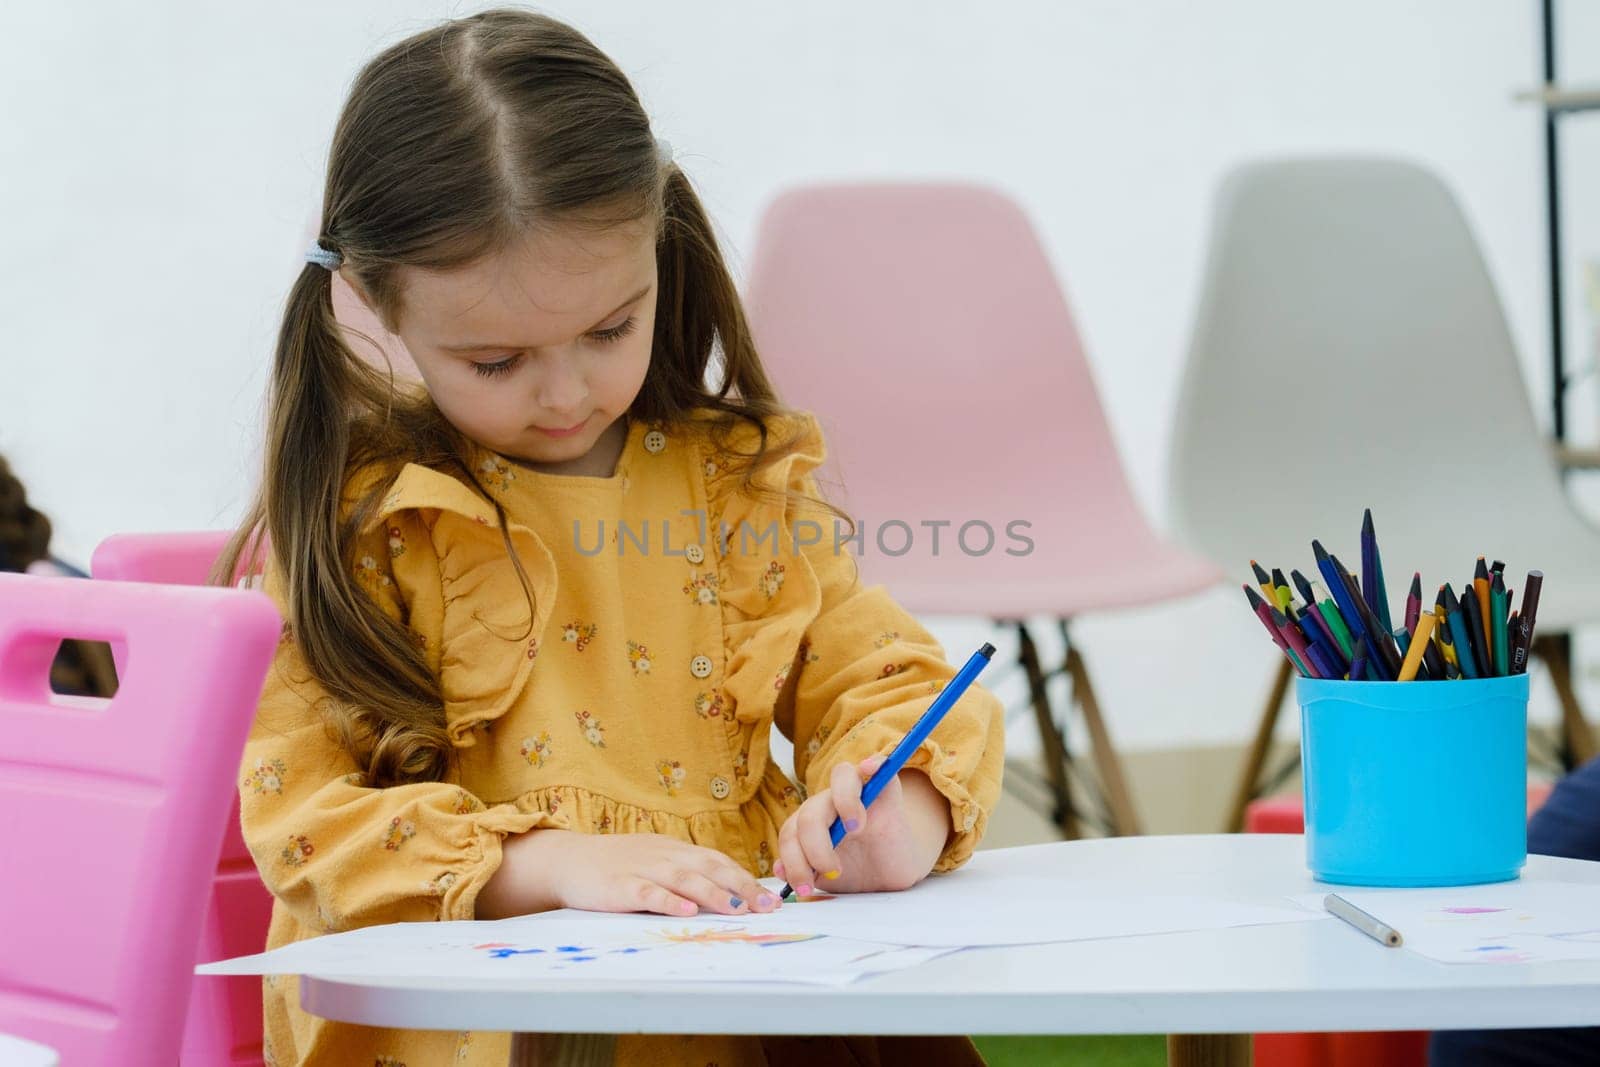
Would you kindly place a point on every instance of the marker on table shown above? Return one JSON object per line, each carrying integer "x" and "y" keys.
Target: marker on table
{"x": 913, "y": 738}
{"x": 1367, "y": 924}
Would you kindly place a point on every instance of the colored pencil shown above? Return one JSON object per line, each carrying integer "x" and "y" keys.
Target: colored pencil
{"x": 1414, "y": 603}
{"x": 1460, "y": 637}
{"x": 1381, "y": 652}
{"x": 1498, "y": 598}
{"x": 1480, "y": 587}
{"x": 1264, "y": 580}
{"x": 1263, "y": 612}
{"x": 1530, "y": 612}
{"x": 1358, "y": 662}
{"x": 1482, "y": 650}
{"x": 1419, "y": 643}
{"x": 1372, "y": 583}
{"x": 1297, "y": 640}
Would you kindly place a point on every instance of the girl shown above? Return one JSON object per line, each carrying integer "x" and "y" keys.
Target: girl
{"x": 544, "y": 611}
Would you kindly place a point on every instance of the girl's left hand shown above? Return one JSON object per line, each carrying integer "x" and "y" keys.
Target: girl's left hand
{"x": 890, "y": 846}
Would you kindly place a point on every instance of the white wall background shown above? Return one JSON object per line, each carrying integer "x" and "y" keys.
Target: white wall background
{"x": 159, "y": 164}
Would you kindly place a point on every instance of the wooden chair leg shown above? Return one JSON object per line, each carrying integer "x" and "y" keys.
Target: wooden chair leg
{"x": 1556, "y": 651}
{"x": 1245, "y": 792}
{"x": 562, "y": 1050}
{"x": 1055, "y": 748}
{"x": 1209, "y": 1050}
{"x": 1124, "y": 820}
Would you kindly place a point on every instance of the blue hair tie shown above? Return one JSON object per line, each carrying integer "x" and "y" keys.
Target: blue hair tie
{"x": 323, "y": 257}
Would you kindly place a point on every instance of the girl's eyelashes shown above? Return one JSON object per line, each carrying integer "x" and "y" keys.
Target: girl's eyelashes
{"x": 610, "y": 335}
{"x": 617, "y": 332}
{"x": 494, "y": 370}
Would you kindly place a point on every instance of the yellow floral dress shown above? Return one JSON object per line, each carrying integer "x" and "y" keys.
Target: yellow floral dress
{"x": 671, "y": 631}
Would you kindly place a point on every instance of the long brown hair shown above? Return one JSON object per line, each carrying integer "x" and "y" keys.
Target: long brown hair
{"x": 455, "y": 144}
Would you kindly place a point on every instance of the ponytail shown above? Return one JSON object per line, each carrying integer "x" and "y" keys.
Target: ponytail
{"x": 388, "y": 708}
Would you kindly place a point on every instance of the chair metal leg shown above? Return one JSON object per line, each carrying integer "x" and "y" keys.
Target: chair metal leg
{"x": 1056, "y": 758}
{"x": 1257, "y": 757}
{"x": 1124, "y": 820}
{"x": 1556, "y": 651}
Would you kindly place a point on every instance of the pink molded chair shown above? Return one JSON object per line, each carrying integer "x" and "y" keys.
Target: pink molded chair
{"x": 116, "y": 806}
{"x": 923, "y": 325}
{"x": 224, "y": 1025}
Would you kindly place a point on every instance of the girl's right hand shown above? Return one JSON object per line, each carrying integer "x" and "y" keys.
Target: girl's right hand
{"x": 545, "y": 869}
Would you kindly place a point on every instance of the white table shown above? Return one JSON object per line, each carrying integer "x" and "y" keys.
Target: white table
{"x": 1211, "y": 988}
{"x": 15, "y": 1052}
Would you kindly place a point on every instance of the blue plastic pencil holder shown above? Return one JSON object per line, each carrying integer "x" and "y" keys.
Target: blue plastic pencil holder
{"x": 1415, "y": 783}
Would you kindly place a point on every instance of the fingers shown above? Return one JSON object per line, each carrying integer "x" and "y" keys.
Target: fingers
{"x": 792, "y": 866}
{"x": 844, "y": 785}
{"x": 705, "y": 891}
{"x": 643, "y": 894}
{"x": 804, "y": 848}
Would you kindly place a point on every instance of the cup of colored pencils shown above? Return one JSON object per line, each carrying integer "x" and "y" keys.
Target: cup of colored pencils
{"x": 1341, "y": 628}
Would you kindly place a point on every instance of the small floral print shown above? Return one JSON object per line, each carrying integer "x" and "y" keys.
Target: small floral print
{"x": 390, "y": 502}
{"x": 764, "y": 860}
{"x": 605, "y": 822}
{"x": 497, "y": 473}
{"x": 400, "y": 831}
{"x": 934, "y": 687}
{"x": 420, "y": 640}
{"x": 672, "y": 774}
{"x": 325, "y": 920}
{"x": 267, "y": 777}
{"x": 791, "y": 794}
{"x": 639, "y": 657}
{"x": 805, "y": 654}
{"x": 710, "y": 706}
{"x": 741, "y": 764}
{"x": 711, "y": 468}
{"x": 397, "y": 543}
{"x": 579, "y": 634}
{"x": 298, "y": 850}
{"x": 702, "y": 588}
{"x": 440, "y": 885}
{"x": 815, "y": 744}
{"x": 463, "y": 1046}
{"x": 887, "y": 638}
{"x": 892, "y": 669}
{"x": 354, "y": 778}
{"x": 466, "y": 803}
{"x": 533, "y": 649}
{"x": 388, "y": 1061}
{"x": 368, "y": 574}
{"x": 782, "y": 677}
{"x": 593, "y": 732}
{"x": 772, "y": 580}
{"x": 536, "y": 749}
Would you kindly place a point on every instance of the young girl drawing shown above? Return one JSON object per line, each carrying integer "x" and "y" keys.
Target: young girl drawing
{"x": 538, "y": 628}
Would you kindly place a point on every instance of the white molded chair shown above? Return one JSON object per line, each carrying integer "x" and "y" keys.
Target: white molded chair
{"x": 1349, "y": 352}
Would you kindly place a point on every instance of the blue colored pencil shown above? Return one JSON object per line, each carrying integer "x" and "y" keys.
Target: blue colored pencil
{"x": 912, "y": 740}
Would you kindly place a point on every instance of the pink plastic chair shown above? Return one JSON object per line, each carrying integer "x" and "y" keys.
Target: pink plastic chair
{"x": 224, "y": 1024}
{"x": 117, "y": 806}
{"x": 922, "y": 323}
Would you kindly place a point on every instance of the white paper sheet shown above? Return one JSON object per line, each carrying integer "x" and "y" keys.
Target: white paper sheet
{"x": 590, "y": 947}
{"x": 969, "y": 908}
{"x": 1510, "y": 922}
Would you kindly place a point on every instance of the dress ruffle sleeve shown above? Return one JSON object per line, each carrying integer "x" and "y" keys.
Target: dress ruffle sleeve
{"x": 843, "y": 668}
{"x": 337, "y": 853}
